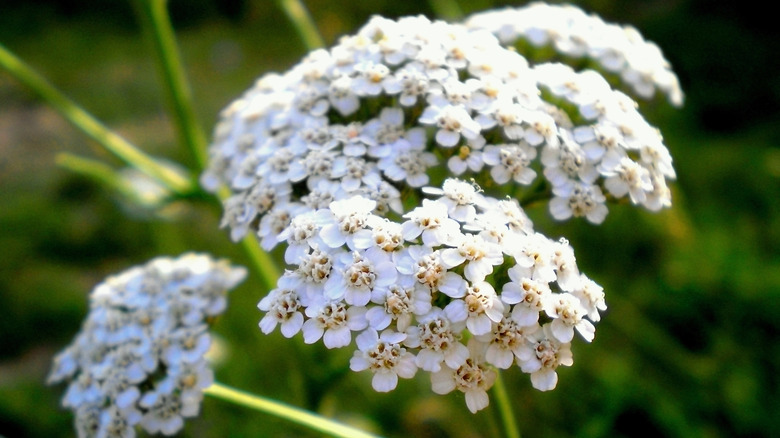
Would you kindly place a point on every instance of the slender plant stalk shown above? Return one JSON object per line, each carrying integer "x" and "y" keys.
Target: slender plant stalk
{"x": 94, "y": 169}
{"x": 281, "y": 410}
{"x": 505, "y": 408}
{"x": 299, "y": 16}
{"x": 447, "y": 9}
{"x": 156, "y": 21}
{"x": 157, "y": 24}
{"x": 90, "y": 126}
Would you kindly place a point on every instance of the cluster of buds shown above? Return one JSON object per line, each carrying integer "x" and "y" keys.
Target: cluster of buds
{"x": 139, "y": 358}
{"x": 384, "y": 166}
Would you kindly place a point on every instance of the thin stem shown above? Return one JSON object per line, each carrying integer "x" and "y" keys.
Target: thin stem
{"x": 94, "y": 169}
{"x": 156, "y": 21}
{"x": 91, "y": 126}
{"x": 446, "y": 9}
{"x": 505, "y": 408}
{"x": 281, "y": 410}
{"x": 299, "y": 16}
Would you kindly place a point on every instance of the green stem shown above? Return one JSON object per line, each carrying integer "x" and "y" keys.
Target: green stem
{"x": 91, "y": 126}
{"x": 156, "y": 21}
{"x": 90, "y": 168}
{"x": 505, "y": 408}
{"x": 446, "y": 9}
{"x": 281, "y": 410}
{"x": 299, "y": 16}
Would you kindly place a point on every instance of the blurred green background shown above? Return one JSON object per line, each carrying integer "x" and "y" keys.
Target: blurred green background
{"x": 688, "y": 348}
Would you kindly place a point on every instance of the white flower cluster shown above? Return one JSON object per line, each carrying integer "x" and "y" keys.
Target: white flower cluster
{"x": 461, "y": 262}
{"x": 383, "y": 107}
{"x": 330, "y": 160}
{"x": 139, "y": 357}
{"x": 571, "y": 32}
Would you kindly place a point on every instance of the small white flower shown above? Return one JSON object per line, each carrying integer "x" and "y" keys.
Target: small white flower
{"x": 507, "y": 341}
{"x": 630, "y": 178}
{"x": 453, "y": 122}
{"x": 345, "y": 222}
{"x": 527, "y": 295}
{"x": 284, "y": 307}
{"x": 545, "y": 353}
{"x": 399, "y": 302}
{"x": 480, "y": 307}
{"x": 165, "y": 410}
{"x": 479, "y": 254}
{"x": 356, "y": 275}
{"x": 579, "y": 200}
{"x": 438, "y": 339}
{"x": 591, "y": 297}
{"x": 407, "y": 163}
{"x": 510, "y": 162}
{"x": 427, "y": 268}
{"x": 333, "y": 322}
{"x": 460, "y": 198}
{"x": 432, "y": 221}
{"x": 473, "y": 378}
{"x": 385, "y": 357}
{"x": 342, "y": 96}
{"x": 567, "y": 313}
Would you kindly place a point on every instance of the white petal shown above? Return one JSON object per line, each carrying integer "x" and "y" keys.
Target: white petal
{"x": 430, "y": 360}
{"x": 447, "y": 138}
{"x": 267, "y": 324}
{"x": 442, "y": 382}
{"x": 544, "y": 380}
{"x": 562, "y": 332}
{"x": 478, "y": 325}
{"x": 476, "y": 399}
{"x": 358, "y": 362}
{"x": 336, "y": 338}
{"x": 586, "y": 329}
{"x": 292, "y": 326}
{"x": 384, "y": 381}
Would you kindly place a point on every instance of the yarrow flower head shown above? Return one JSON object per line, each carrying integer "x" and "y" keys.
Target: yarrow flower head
{"x": 139, "y": 359}
{"x": 348, "y": 160}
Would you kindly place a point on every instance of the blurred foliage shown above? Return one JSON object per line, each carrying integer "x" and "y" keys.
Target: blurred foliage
{"x": 688, "y": 347}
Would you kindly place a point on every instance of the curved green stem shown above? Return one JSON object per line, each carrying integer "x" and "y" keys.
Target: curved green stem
{"x": 91, "y": 126}
{"x": 281, "y": 410}
{"x": 299, "y": 16}
{"x": 156, "y": 21}
{"x": 94, "y": 169}
{"x": 505, "y": 408}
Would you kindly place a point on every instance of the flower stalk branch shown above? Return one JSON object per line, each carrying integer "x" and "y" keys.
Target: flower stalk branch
{"x": 90, "y": 126}
{"x": 281, "y": 410}
{"x": 301, "y": 19}
{"x": 505, "y": 408}
{"x": 156, "y": 21}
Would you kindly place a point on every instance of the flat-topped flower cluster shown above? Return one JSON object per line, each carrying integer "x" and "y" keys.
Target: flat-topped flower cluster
{"x": 368, "y": 162}
{"x": 139, "y": 357}
{"x": 460, "y": 263}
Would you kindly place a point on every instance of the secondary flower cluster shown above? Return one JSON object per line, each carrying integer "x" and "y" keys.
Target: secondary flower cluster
{"x": 331, "y": 158}
{"x": 618, "y": 49}
{"x": 139, "y": 357}
{"x": 463, "y": 262}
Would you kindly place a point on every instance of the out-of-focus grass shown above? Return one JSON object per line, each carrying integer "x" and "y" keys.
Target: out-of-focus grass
{"x": 687, "y": 348}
